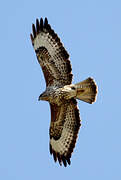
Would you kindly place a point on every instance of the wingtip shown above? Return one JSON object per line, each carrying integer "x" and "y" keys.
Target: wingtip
{"x": 68, "y": 160}
{"x": 64, "y": 161}
{"x": 45, "y": 22}
{"x": 37, "y": 26}
{"x": 34, "y": 30}
{"x": 41, "y": 23}
{"x": 32, "y": 38}
{"x": 55, "y": 156}
{"x": 60, "y": 158}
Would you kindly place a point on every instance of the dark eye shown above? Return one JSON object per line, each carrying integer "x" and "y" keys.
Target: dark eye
{"x": 73, "y": 88}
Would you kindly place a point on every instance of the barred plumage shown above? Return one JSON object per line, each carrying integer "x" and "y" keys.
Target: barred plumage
{"x": 60, "y": 92}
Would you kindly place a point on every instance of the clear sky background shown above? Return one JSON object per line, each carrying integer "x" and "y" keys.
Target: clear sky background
{"x": 91, "y": 32}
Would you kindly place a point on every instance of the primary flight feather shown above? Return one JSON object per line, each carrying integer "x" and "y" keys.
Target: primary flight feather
{"x": 60, "y": 92}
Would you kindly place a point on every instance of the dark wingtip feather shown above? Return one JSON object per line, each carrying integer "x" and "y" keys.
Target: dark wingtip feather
{"x": 34, "y": 30}
{"x": 37, "y": 26}
{"x": 68, "y": 160}
{"x": 55, "y": 156}
{"x": 64, "y": 161}
{"x": 32, "y": 38}
{"x": 45, "y": 23}
{"x": 59, "y": 159}
{"x": 51, "y": 149}
{"x": 41, "y": 24}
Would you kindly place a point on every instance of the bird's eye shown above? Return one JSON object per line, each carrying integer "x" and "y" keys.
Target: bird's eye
{"x": 73, "y": 88}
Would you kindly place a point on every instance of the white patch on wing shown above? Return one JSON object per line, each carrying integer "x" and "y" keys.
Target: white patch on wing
{"x": 61, "y": 146}
{"x": 44, "y": 39}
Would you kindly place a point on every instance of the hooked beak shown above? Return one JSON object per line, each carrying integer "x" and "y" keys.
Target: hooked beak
{"x": 42, "y": 97}
{"x": 39, "y": 98}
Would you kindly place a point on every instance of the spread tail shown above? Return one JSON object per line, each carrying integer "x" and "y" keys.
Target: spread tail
{"x": 86, "y": 90}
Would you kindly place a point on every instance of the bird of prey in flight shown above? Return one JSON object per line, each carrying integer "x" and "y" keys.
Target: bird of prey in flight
{"x": 60, "y": 92}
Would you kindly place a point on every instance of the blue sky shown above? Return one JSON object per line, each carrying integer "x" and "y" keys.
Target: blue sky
{"x": 91, "y": 33}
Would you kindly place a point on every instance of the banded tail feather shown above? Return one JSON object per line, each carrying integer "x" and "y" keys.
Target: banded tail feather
{"x": 86, "y": 90}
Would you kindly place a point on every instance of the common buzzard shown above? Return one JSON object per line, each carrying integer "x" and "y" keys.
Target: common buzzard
{"x": 60, "y": 92}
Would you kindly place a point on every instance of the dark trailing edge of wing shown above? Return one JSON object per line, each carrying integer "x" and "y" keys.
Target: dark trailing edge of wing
{"x": 66, "y": 159}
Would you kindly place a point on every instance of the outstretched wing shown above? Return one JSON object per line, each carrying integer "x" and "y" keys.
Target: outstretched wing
{"x": 51, "y": 55}
{"x": 65, "y": 123}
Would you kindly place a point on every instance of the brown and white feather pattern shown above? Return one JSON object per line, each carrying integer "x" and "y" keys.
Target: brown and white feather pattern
{"x": 51, "y": 54}
{"x": 65, "y": 124}
{"x": 54, "y": 60}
